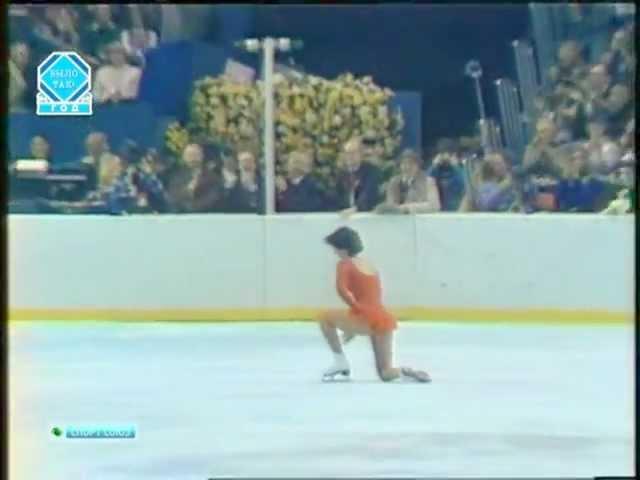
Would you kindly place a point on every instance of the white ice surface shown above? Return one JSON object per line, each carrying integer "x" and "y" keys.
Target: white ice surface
{"x": 246, "y": 400}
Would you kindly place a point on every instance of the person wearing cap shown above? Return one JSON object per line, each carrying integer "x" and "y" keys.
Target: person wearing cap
{"x": 118, "y": 80}
{"x": 412, "y": 191}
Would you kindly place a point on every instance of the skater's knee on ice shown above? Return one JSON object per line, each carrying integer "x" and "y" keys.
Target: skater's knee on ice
{"x": 324, "y": 318}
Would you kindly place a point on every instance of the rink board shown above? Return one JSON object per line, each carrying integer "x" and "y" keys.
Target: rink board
{"x": 452, "y": 267}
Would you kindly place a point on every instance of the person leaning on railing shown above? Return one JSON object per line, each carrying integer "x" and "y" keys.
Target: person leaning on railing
{"x": 359, "y": 181}
{"x": 412, "y": 190}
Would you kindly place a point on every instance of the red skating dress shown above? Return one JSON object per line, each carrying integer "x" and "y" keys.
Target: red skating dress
{"x": 363, "y": 294}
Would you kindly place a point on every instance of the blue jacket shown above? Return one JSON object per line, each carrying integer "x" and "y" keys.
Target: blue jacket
{"x": 579, "y": 195}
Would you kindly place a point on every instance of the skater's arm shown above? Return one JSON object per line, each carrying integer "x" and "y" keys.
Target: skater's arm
{"x": 342, "y": 286}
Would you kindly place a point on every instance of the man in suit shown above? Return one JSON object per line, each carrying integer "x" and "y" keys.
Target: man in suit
{"x": 247, "y": 195}
{"x": 412, "y": 191}
{"x": 299, "y": 192}
{"x": 358, "y": 188}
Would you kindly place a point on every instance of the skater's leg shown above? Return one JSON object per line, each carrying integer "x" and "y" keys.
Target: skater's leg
{"x": 332, "y": 320}
{"x": 383, "y": 352}
{"x": 382, "y": 345}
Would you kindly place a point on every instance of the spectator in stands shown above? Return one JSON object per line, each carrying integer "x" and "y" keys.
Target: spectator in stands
{"x": 55, "y": 25}
{"x": 619, "y": 108}
{"x": 567, "y": 105}
{"x": 165, "y": 164}
{"x": 122, "y": 196}
{"x": 492, "y": 188}
{"x": 628, "y": 138}
{"x": 372, "y": 149}
{"x": 299, "y": 192}
{"x": 117, "y": 81}
{"x": 150, "y": 187}
{"x": 247, "y": 196}
{"x": 597, "y": 88}
{"x": 602, "y": 153}
{"x": 448, "y": 175}
{"x": 18, "y": 62}
{"x": 540, "y": 173}
{"x": 358, "y": 186}
{"x": 40, "y": 148}
{"x": 412, "y": 191}
{"x": 229, "y": 171}
{"x": 195, "y": 187}
{"x": 578, "y": 191}
{"x": 542, "y": 150}
{"x": 571, "y": 66}
{"x": 137, "y": 39}
{"x": 101, "y": 32}
{"x": 620, "y": 59}
{"x": 102, "y": 165}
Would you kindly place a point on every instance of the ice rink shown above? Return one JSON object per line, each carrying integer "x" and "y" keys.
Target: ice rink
{"x": 214, "y": 400}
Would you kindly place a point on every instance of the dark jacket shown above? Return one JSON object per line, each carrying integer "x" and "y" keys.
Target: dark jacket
{"x": 580, "y": 195}
{"x": 306, "y": 196}
{"x": 205, "y": 198}
{"x": 361, "y": 186}
{"x": 243, "y": 200}
{"x": 450, "y": 181}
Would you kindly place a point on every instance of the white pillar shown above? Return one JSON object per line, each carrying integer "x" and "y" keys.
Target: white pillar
{"x": 268, "y": 46}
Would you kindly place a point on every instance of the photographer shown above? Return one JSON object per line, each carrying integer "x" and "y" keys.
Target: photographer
{"x": 447, "y": 173}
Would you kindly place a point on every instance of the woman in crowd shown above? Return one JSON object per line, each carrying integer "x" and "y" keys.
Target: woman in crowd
{"x": 358, "y": 284}
{"x": 492, "y": 189}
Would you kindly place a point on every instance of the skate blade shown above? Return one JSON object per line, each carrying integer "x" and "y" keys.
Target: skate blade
{"x": 343, "y": 376}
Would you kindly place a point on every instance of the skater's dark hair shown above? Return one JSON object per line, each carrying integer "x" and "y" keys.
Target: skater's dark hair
{"x": 347, "y": 239}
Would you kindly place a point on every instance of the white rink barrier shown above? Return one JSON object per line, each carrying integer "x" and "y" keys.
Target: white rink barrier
{"x": 462, "y": 267}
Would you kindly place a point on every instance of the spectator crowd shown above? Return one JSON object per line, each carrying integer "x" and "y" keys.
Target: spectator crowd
{"x": 111, "y": 38}
{"x": 581, "y": 157}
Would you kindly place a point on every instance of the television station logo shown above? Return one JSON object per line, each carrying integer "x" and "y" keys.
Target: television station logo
{"x": 64, "y": 86}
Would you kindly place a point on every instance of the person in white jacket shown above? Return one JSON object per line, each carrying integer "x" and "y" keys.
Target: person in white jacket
{"x": 412, "y": 191}
{"x": 118, "y": 80}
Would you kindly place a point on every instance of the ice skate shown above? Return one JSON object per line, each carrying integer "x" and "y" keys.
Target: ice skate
{"x": 340, "y": 371}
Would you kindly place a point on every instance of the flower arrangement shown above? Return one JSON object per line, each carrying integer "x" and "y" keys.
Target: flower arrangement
{"x": 311, "y": 113}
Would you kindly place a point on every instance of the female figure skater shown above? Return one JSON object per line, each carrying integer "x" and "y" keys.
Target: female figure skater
{"x": 358, "y": 284}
